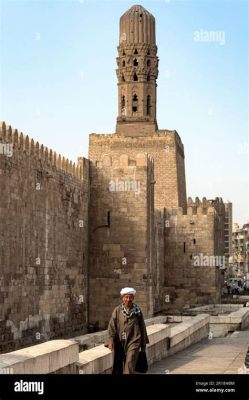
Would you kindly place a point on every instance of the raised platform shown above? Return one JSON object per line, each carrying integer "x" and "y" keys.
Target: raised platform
{"x": 167, "y": 335}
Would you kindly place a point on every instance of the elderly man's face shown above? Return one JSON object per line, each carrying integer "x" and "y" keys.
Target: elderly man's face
{"x": 128, "y": 300}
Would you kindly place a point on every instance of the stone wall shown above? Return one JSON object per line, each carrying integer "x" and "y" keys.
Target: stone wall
{"x": 180, "y": 233}
{"x": 167, "y": 151}
{"x": 134, "y": 240}
{"x": 43, "y": 243}
{"x": 121, "y": 234}
{"x": 189, "y": 239}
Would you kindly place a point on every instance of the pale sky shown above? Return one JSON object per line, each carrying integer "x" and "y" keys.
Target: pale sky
{"x": 58, "y": 81}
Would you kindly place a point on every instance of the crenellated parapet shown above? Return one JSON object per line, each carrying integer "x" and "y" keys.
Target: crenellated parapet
{"x": 125, "y": 160}
{"x": 204, "y": 206}
{"x": 199, "y": 207}
{"x": 164, "y": 146}
{"x": 27, "y": 145}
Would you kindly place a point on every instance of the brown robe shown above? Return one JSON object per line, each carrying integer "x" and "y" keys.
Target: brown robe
{"x": 126, "y": 350}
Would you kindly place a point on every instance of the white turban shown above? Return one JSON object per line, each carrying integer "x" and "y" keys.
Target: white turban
{"x": 128, "y": 290}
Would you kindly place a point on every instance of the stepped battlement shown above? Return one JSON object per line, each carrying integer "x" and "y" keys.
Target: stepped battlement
{"x": 124, "y": 160}
{"x": 34, "y": 149}
{"x": 200, "y": 207}
{"x": 205, "y": 206}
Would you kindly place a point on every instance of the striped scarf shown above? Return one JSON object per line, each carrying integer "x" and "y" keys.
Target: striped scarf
{"x": 135, "y": 310}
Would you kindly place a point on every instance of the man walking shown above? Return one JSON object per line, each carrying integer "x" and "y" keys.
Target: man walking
{"x": 126, "y": 333}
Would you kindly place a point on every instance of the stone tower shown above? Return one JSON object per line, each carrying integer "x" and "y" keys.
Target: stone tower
{"x": 137, "y": 73}
{"x": 137, "y": 130}
{"x": 126, "y": 241}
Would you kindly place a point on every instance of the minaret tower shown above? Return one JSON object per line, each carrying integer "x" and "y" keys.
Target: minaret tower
{"x": 137, "y": 73}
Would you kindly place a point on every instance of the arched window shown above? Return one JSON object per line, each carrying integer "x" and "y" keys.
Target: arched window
{"x": 134, "y": 103}
{"x": 135, "y": 78}
{"x": 148, "y": 105}
{"x": 123, "y": 53}
{"x": 148, "y": 52}
{"x": 135, "y": 62}
{"x": 123, "y": 105}
{"x": 135, "y": 52}
{"x": 123, "y": 102}
{"x": 148, "y": 63}
{"x": 123, "y": 78}
{"x": 148, "y": 78}
{"x": 123, "y": 63}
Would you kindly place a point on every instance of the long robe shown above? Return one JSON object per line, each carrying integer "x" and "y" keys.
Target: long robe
{"x": 126, "y": 350}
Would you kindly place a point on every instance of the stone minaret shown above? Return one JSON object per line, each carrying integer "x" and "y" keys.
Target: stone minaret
{"x": 137, "y": 73}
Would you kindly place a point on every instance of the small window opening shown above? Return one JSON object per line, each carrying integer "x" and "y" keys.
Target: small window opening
{"x": 184, "y": 247}
{"x": 148, "y": 78}
{"x": 123, "y": 63}
{"x": 135, "y": 62}
{"x": 123, "y": 102}
{"x": 134, "y": 103}
{"x": 148, "y": 105}
{"x": 135, "y": 52}
{"x": 135, "y": 78}
{"x": 148, "y": 63}
{"x": 194, "y": 241}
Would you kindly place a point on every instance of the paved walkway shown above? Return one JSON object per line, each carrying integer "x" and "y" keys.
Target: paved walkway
{"x": 209, "y": 356}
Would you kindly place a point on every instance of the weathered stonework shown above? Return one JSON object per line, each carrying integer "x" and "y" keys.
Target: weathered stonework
{"x": 71, "y": 236}
{"x": 43, "y": 243}
{"x": 192, "y": 241}
{"x": 137, "y": 73}
{"x": 165, "y": 147}
{"x": 121, "y": 233}
{"x": 177, "y": 281}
